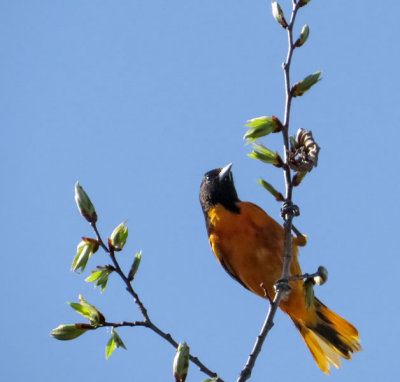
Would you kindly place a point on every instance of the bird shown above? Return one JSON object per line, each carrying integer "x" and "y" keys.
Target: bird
{"x": 249, "y": 244}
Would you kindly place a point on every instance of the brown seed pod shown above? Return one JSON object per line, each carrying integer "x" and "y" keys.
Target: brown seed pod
{"x": 304, "y": 152}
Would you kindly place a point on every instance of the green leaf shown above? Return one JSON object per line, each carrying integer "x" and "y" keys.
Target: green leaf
{"x": 211, "y": 379}
{"x": 86, "y": 248}
{"x": 271, "y": 189}
{"x": 117, "y": 339}
{"x": 111, "y": 346}
{"x": 262, "y": 126}
{"x": 119, "y": 236}
{"x": 81, "y": 309}
{"x": 113, "y": 343}
{"x": 67, "y": 332}
{"x": 305, "y": 85}
{"x": 94, "y": 276}
{"x": 85, "y": 206}
{"x": 263, "y": 153}
{"x": 88, "y": 311}
{"x": 135, "y": 266}
{"x": 101, "y": 277}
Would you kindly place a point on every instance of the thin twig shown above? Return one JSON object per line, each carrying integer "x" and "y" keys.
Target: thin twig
{"x": 118, "y": 269}
{"x": 124, "y": 323}
{"x": 296, "y": 231}
{"x": 305, "y": 276}
{"x": 288, "y": 212}
{"x": 147, "y": 321}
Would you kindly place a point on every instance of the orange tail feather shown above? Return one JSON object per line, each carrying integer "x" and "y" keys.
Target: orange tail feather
{"x": 328, "y": 337}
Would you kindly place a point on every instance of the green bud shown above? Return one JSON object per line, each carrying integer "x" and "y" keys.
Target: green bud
{"x": 67, "y": 332}
{"x": 298, "y": 178}
{"x": 271, "y": 189}
{"x": 89, "y": 311}
{"x": 305, "y": 85}
{"x": 262, "y": 126}
{"x": 181, "y": 362}
{"x": 113, "y": 343}
{"x": 278, "y": 14}
{"x": 302, "y": 3}
{"x": 264, "y": 154}
{"x": 322, "y": 276}
{"x": 86, "y": 248}
{"x": 119, "y": 236}
{"x": 85, "y": 206}
{"x": 135, "y": 266}
{"x": 303, "y": 36}
{"x": 101, "y": 277}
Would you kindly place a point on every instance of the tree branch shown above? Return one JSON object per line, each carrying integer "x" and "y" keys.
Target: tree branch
{"x": 123, "y": 323}
{"x": 288, "y": 212}
{"x": 147, "y": 321}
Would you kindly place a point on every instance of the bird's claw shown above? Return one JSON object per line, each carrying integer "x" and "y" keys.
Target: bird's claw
{"x": 282, "y": 284}
{"x": 289, "y": 208}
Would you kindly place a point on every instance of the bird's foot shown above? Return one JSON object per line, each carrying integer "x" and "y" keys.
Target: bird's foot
{"x": 289, "y": 208}
{"x": 283, "y": 286}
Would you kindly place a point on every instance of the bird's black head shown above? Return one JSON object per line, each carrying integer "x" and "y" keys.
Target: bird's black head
{"x": 217, "y": 188}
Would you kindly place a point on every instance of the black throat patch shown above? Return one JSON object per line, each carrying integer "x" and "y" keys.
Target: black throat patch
{"x": 214, "y": 190}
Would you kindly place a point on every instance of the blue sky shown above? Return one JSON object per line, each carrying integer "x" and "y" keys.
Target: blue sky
{"x": 137, "y": 100}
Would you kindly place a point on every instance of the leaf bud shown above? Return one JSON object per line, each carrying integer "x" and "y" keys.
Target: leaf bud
{"x": 305, "y": 85}
{"x": 85, "y": 206}
{"x": 271, "y": 189}
{"x": 262, "y": 126}
{"x": 181, "y": 362}
{"x": 118, "y": 237}
{"x": 303, "y": 36}
{"x": 298, "y": 178}
{"x": 101, "y": 277}
{"x": 264, "y": 154}
{"x": 86, "y": 248}
{"x": 67, "y": 332}
{"x": 278, "y": 14}
{"x": 135, "y": 266}
{"x": 89, "y": 311}
{"x": 302, "y": 3}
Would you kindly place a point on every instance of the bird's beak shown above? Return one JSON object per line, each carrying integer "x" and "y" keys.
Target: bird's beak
{"x": 224, "y": 172}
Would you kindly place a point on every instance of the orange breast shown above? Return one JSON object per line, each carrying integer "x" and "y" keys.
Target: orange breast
{"x": 250, "y": 246}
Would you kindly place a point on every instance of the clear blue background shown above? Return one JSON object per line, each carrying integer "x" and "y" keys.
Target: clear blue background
{"x": 137, "y": 100}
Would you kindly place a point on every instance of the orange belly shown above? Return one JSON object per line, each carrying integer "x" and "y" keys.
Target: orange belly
{"x": 250, "y": 246}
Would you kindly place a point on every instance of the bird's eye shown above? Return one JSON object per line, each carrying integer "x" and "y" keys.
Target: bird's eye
{"x": 228, "y": 178}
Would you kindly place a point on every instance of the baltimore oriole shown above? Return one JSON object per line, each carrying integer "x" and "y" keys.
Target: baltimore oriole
{"x": 249, "y": 244}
